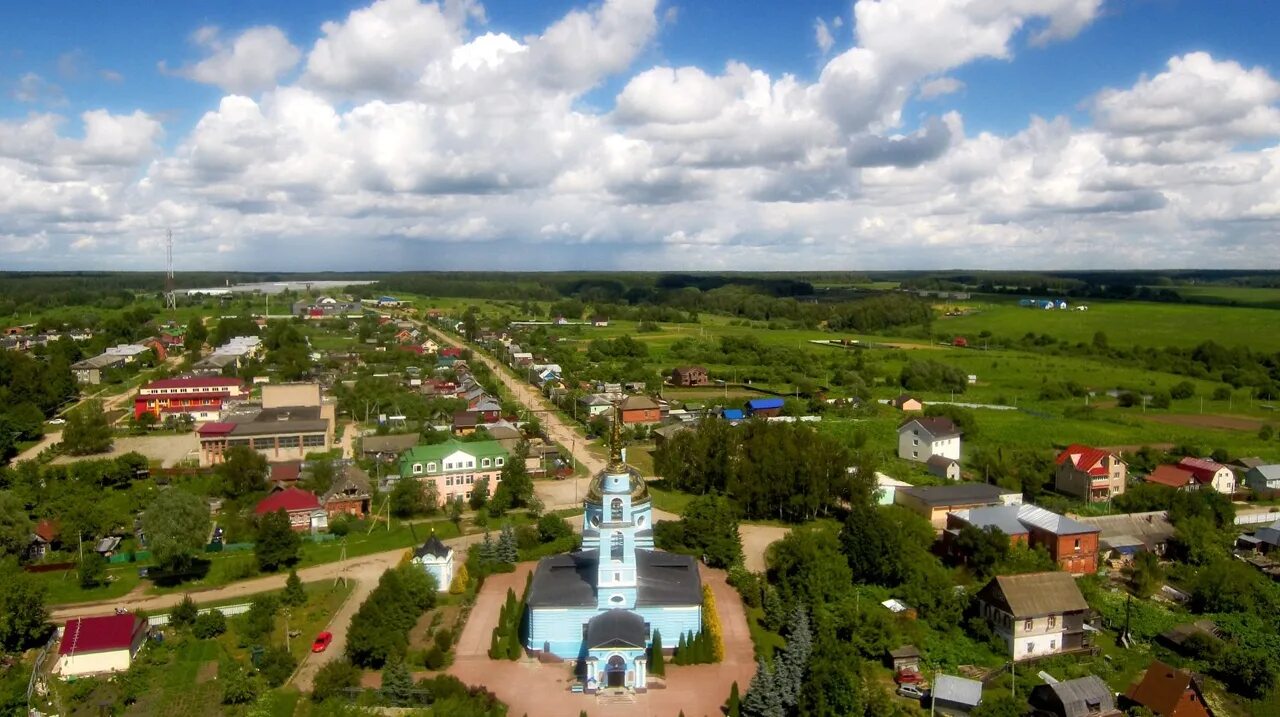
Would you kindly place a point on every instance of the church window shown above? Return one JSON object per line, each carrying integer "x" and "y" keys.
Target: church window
{"x": 615, "y": 510}
{"x": 615, "y": 550}
{"x": 617, "y": 599}
{"x": 595, "y": 521}
{"x": 640, "y": 520}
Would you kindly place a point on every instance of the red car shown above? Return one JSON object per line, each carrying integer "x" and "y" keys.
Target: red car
{"x": 908, "y": 677}
{"x": 322, "y": 641}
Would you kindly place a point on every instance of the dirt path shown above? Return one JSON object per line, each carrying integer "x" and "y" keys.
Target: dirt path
{"x": 1196, "y": 420}
{"x": 347, "y": 443}
{"x": 756, "y": 540}
{"x": 31, "y": 453}
{"x": 554, "y": 494}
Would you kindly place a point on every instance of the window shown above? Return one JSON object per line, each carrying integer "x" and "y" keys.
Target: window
{"x": 1052, "y": 621}
{"x": 1028, "y": 624}
{"x": 617, "y": 599}
{"x": 448, "y": 480}
{"x": 313, "y": 441}
{"x": 431, "y": 467}
{"x": 1030, "y": 646}
{"x": 915, "y": 441}
{"x": 448, "y": 466}
{"x": 615, "y": 547}
{"x": 497, "y": 461}
{"x": 1077, "y": 545}
{"x": 615, "y": 510}
{"x": 484, "y": 462}
{"x": 261, "y": 443}
{"x": 1053, "y": 644}
{"x": 289, "y": 441}
{"x": 915, "y": 454}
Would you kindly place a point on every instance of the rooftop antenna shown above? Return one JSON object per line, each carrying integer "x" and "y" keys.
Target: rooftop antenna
{"x": 170, "y": 296}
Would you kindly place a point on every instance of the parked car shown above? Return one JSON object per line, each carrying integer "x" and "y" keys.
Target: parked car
{"x": 908, "y": 677}
{"x": 322, "y": 641}
{"x": 57, "y": 421}
{"x": 911, "y": 692}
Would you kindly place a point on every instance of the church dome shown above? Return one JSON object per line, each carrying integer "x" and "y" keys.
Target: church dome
{"x": 631, "y": 479}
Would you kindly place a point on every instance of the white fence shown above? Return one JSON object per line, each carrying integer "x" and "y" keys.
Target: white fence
{"x": 226, "y": 610}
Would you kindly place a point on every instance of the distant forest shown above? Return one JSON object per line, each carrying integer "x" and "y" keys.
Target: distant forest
{"x": 841, "y": 300}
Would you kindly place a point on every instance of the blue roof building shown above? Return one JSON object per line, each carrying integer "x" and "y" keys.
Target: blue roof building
{"x": 764, "y": 406}
{"x": 602, "y": 604}
{"x": 732, "y": 414}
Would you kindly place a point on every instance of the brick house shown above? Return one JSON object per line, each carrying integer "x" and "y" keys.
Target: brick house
{"x": 639, "y": 409}
{"x": 688, "y": 376}
{"x": 304, "y": 510}
{"x": 1071, "y": 544}
{"x": 1090, "y": 474}
{"x": 349, "y": 493}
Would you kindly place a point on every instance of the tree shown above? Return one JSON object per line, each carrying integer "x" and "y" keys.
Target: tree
{"x": 407, "y": 499}
{"x": 1000, "y": 706}
{"x": 552, "y": 527}
{"x": 176, "y": 525}
{"x": 93, "y": 570}
{"x": 1145, "y": 575}
{"x": 276, "y": 665}
{"x": 184, "y": 613}
{"x": 479, "y": 494}
{"x": 238, "y": 687}
{"x": 87, "y": 430}
{"x": 733, "y": 707}
{"x": 397, "y": 683}
{"x": 455, "y": 510}
{"x": 333, "y": 679}
{"x": 506, "y": 550}
{"x": 983, "y": 549}
{"x": 293, "y": 593}
{"x": 657, "y": 661}
{"x": 460, "y": 580}
{"x": 24, "y": 620}
{"x": 209, "y": 624}
{"x": 15, "y": 525}
{"x": 711, "y": 530}
{"x": 790, "y": 671}
{"x": 242, "y": 471}
{"x": 515, "y": 485}
{"x": 277, "y": 544}
{"x": 763, "y": 698}
{"x": 195, "y": 335}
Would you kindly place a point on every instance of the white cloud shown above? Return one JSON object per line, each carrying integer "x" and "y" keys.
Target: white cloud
{"x": 822, "y": 36}
{"x": 31, "y": 88}
{"x": 417, "y": 129}
{"x": 250, "y": 62}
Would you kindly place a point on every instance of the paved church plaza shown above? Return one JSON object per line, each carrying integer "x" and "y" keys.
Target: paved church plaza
{"x": 535, "y": 689}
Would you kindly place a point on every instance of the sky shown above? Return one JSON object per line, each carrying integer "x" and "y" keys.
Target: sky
{"x": 640, "y": 134}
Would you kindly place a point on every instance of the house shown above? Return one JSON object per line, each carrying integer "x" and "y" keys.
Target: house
{"x": 486, "y": 408}
{"x": 955, "y": 696}
{"x": 1269, "y": 537}
{"x": 600, "y": 321}
{"x": 304, "y": 510}
{"x": 1086, "y": 696}
{"x": 507, "y": 435}
{"x": 89, "y": 371}
{"x": 764, "y": 407}
{"x": 594, "y": 405}
{"x": 283, "y": 475}
{"x": 667, "y": 432}
{"x": 688, "y": 376}
{"x": 453, "y": 352}
{"x": 200, "y": 397}
{"x": 454, "y": 466}
{"x": 44, "y": 537}
{"x": 1211, "y": 473}
{"x": 1128, "y": 533}
{"x": 639, "y": 410}
{"x": 905, "y": 659}
{"x": 349, "y": 494}
{"x": 465, "y": 422}
{"x": 1263, "y": 477}
{"x": 1036, "y": 614}
{"x": 436, "y": 559}
{"x": 733, "y": 415}
{"x": 1071, "y": 544}
{"x": 387, "y": 448}
{"x": 100, "y": 644}
{"x": 887, "y": 487}
{"x": 943, "y": 467}
{"x": 920, "y": 438}
{"x": 906, "y": 403}
{"x": 960, "y": 342}
{"x": 934, "y": 502}
{"x": 1173, "y": 477}
{"x": 1169, "y": 693}
{"x": 1090, "y": 474}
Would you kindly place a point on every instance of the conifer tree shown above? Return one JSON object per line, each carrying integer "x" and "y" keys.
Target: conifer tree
{"x": 657, "y": 665}
{"x": 293, "y": 592}
{"x": 762, "y": 698}
{"x": 733, "y": 708}
{"x": 397, "y": 683}
{"x": 794, "y": 662}
{"x": 507, "y": 550}
{"x": 681, "y": 650}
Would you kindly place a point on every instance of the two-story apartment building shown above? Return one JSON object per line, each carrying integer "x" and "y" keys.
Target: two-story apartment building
{"x": 454, "y": 467}
{"x": 1036, "y": 614}
{"x": 921, "y": 438}
{"x": 935, "y": 501}
{"x": 291, "y": 421}
{"x": 201, "y": 397}
{"x": 1090, "y": 474}
{"x": 1071, "y": 544}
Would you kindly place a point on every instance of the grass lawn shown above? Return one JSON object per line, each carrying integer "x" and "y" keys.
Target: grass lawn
{"x": 64, "y": 587}
{"x": 765, "y": 640}
{"x": 670, "y": 500}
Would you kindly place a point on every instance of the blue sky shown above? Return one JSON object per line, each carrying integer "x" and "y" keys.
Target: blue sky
{"x": 849, "y": 154}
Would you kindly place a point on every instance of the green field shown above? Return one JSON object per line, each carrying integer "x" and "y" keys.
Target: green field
{"x": 1124, "y": 323}
{"x": 1245, "y": 295}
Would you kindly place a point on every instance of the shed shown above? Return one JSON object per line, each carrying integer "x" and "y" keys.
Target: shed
{"x": 1086, "y": 696}
{"x": 906, "y": 657}
{"x": 764, "y": 406}
{"x": 100, "y": 644}
{"x": 955, "y": 696}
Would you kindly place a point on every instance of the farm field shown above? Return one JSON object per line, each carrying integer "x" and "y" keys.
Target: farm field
{"x": 1124, "y": 323}
{"x": 1244, "y": 295}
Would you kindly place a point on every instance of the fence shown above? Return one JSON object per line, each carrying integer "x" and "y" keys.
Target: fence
{"x": 227, "y": 611}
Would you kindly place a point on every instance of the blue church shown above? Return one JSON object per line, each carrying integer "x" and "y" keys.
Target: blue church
{"x": 602, "y": 604}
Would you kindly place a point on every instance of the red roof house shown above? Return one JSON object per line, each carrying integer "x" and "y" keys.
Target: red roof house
{"x": 1174, "y": 477}
{"x": 1169, "y": 692}
{"x": 303, "y": 508}
{"x": 1089, "y": 473}
{"x": 450, "y": 352}
{"x": 100, "y": 644}
{"x": 287, "y": 473}
{"x": 1210, "y": 473}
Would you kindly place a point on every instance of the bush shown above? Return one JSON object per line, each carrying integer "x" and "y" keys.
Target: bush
{"x": 93, "y": 570}
{"x": 209, "y": 624}
{"x": 434, "y": 659}
{"x": 276, "y": 665}
{"x": 1182, "y": 389}
{"x": 333, "y": 679}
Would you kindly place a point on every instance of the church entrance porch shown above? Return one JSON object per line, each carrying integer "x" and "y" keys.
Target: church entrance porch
{"x": 615, "y": 672}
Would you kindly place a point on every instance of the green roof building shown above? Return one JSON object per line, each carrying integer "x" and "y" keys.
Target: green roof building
{"x": 455, "y": 466}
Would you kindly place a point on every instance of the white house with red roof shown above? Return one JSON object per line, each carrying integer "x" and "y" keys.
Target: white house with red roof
{"x": 1210, "y": 473}
{"x": 1090, "y": 474}
{"x": 305, "y": 512}
{"x": 100, "y": 644}
{"x": 201, "y": 397}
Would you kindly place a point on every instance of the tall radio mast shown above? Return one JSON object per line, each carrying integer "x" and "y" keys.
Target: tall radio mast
{"x": 170, "y": 296}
